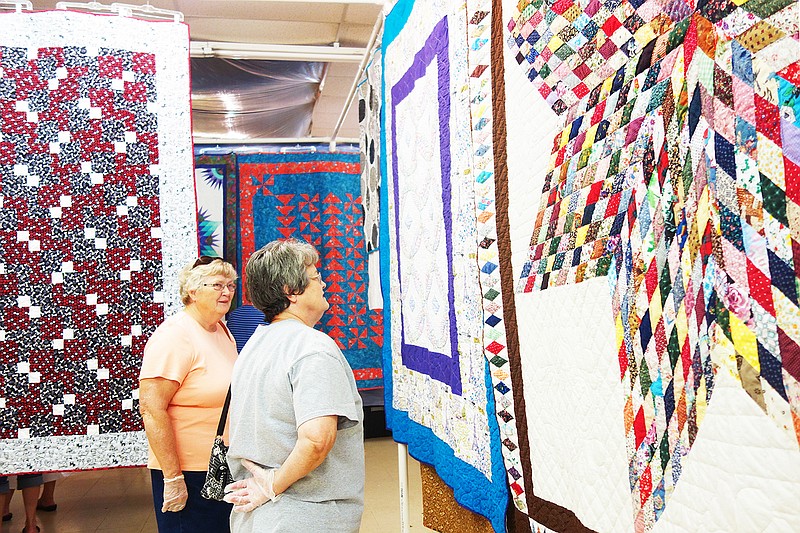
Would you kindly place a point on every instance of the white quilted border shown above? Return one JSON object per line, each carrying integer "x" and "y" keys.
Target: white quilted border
{"x": 76, "y": 452}
{"x": 743, "y": 473}
{"x": 574, "y": 403}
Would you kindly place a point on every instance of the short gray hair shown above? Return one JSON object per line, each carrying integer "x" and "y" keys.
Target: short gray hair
{"x": 275, "y": 270}
{"x": 192, "y": 275}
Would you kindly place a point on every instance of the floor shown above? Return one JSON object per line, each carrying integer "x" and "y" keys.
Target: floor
{"x": 120, "y": 500}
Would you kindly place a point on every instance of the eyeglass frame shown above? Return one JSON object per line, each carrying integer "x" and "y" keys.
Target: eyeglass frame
{"x": 222, "y": 286}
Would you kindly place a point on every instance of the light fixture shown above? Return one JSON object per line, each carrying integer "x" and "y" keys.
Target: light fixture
{"x": 283, "y": 52}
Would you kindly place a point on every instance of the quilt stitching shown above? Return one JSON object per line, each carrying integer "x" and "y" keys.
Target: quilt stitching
{"x": 676, "y": 178}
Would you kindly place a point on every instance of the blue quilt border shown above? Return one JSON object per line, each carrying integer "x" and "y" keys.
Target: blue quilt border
{"x": 471, "y": 488}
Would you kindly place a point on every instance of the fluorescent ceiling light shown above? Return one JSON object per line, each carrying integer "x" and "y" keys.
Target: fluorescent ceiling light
{"x": 283, "y": 52}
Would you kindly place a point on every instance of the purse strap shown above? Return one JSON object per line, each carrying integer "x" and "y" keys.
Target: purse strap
{"x": 224, "y": 416}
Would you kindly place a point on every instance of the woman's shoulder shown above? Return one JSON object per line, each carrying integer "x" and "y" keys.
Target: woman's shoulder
{"x": 174, "y": 327}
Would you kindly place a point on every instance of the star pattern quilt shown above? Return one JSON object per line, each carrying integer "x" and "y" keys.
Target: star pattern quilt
{"x": 653, "y": 238}
{"x": 225, "y": 165}
{"x": 612, "y": 186}
{"x": 95, "y": 163}
{"x": 209, "y": 183}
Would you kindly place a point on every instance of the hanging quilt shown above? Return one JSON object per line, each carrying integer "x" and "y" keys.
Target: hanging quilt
{"x": 315, "y": 197}
{"x": 209, "y": 184}
{"x": 440, "y": 398}
{"x": 226, "y": 165}
{"x": 369, "y": 116}
{"x": 95, "y": 153}
{"x": 369, "y": 123}
{"x": 655, "y": 263}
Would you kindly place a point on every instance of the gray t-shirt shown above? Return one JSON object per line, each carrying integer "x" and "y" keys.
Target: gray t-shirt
{"x": 287, "y": 374}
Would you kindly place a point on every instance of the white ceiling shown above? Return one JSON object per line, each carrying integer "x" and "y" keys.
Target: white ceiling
{"x": 306, "y": 28}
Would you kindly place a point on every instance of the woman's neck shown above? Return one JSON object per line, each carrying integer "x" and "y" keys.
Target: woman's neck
{"x": 288, "y": 315}
{"x": 207, "y": 322}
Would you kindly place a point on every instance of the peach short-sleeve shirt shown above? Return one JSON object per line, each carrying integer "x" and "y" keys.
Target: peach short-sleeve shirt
{"x": 181, "y": 350}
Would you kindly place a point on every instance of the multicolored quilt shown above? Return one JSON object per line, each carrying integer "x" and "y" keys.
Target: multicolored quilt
{"x": 209, "y": 184}
{"x": 228, "y": 237}
{"x": 654, "y": 230}
{"x": 316, "y": 197}
{"x": 95, "y": 163}
{"x": 440, "y": 398}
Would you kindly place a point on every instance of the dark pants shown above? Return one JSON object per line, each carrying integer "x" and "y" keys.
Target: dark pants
{"x": 24, "y": 481}
{"x": 199, "y": 515}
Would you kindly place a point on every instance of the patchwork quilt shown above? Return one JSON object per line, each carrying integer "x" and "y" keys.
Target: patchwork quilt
{"x": 653, "y": 229}
{"x": 435, "y": 209}
{"x": 96, "y": 164}
{"x": 316, "y": 197}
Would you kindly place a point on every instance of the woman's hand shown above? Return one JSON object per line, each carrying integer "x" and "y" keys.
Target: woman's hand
{"x": 175, "y": 495}
{"x": 253, "y": 492}
{"x": 154, "y": 397}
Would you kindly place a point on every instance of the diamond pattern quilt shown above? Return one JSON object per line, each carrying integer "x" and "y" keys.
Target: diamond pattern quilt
{"x": 95, "y": 161}
{"x": 663, "y": 219}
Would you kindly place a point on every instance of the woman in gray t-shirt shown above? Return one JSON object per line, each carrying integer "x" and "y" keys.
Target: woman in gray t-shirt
{"x": 296, "y": 432}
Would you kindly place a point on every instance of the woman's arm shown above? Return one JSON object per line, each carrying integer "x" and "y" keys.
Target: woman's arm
{"x": 154, "y": 397}
{"x": 315, "y": 439}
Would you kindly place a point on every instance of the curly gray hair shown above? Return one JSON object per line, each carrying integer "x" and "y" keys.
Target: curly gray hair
{"x": 192, "y": 275}
{"x": 277, "y": 268}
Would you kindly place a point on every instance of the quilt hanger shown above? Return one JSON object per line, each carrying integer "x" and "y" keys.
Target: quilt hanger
{"x": 19, "y": 5}
{"x": 146, "y": 11}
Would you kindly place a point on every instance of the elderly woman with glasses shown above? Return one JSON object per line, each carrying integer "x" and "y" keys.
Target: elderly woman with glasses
{"x": 186, "y": 371}
{"x": 296, "y": 418}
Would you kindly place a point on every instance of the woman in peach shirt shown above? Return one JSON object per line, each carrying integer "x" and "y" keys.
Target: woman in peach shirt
{"x": 186, "y": 371}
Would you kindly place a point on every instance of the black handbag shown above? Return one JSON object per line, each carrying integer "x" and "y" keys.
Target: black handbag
{"x": 219, "y": 474}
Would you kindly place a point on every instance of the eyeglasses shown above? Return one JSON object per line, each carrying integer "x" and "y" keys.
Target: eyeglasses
{"x": 219, "y": 286}
{"x": 316, "y": 276}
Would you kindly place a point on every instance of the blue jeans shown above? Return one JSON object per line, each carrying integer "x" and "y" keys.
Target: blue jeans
{"x": 199, "y": 515}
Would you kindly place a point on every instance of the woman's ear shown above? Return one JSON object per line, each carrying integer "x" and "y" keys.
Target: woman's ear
{"x": 291, "y": 297}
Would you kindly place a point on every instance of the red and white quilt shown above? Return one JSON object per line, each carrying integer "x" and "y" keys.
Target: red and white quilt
{"x": 95, "y": 169}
